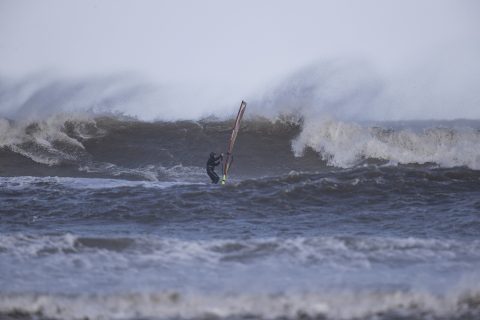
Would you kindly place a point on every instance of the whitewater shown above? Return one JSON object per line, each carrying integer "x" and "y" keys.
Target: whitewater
{"x": 106, "y": 216}
{"x": 344, "y": 201}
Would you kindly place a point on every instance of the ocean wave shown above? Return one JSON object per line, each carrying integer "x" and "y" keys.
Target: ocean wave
{"x": 119, "y": 147}
{"x": 52, "y": 141}
{"x": 346, "y": 144}
{"x": 341, "y": 252}
{"x": 326, "y": 277}
{"x": 341, "y": 305}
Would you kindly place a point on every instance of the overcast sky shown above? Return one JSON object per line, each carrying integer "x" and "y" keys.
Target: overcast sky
{"x": 230, "y": 46}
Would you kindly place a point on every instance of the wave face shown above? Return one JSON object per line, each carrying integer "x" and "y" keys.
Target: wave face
{"x": 81, "y": 145}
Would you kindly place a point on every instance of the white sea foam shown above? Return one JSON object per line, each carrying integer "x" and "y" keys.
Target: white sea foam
{"x": 341, "y": 304}
{"x": 345, "y": 144}
{"x": 160, "y": 278}
{"x": 343, "y": 253}
{"x": 46, "y": 141}
{"x": 185, "y": 174}
{"x": 22, "y": 182}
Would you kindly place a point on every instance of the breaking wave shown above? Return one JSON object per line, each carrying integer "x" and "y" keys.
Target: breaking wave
{"x": 57, "y": 139}
{"x": 345, "y": 144}
{"x": 113, "y": 146}
{"x": 115, "y": 258}
{"x": 339, "y": 252}
{"x": 173, "y": 305}
{"x": 123, "y": 126}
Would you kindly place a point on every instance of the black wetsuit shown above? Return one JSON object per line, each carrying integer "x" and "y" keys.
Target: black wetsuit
{"x": 211, "y": 164}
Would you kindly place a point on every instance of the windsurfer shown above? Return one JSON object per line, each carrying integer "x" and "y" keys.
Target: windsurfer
{"x": 212, "y": 162}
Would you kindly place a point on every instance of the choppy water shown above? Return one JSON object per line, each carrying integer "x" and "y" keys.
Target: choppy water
{"x": 112, "y": 218}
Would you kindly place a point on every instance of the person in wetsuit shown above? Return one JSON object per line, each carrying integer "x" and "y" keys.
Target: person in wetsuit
{"x": 212, "y": 162}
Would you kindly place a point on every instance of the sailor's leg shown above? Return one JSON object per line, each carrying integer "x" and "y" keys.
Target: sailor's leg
{"x": 213, "y": 176}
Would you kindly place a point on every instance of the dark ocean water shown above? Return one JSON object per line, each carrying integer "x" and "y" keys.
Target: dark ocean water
{"x": 111, "y": 218}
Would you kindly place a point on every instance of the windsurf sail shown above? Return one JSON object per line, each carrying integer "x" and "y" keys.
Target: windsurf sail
{"x": 236, "y": 127}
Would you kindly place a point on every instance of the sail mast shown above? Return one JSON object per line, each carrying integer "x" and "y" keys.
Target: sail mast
{"x": 236, "y": 127}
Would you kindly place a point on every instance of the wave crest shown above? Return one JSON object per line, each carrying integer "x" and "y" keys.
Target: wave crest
{"x": 345, "y": 144}
{"x": 117, "y": 146}
{"x": 50, "y": 141}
